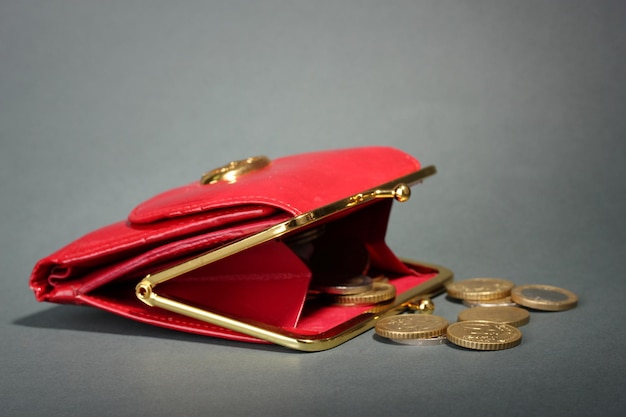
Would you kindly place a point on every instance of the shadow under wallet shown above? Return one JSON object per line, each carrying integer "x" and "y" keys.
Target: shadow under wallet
{"x": 91, "y": 320}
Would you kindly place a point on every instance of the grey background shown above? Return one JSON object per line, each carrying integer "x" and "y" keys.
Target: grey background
{"x": 520, "y": 105}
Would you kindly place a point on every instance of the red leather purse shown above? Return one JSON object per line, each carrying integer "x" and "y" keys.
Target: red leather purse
{"x": 242, "y": 254}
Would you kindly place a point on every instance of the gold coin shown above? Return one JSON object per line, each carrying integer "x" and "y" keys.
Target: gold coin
{"x": 544, "y": 297}
{"x": 480, "y": 289}
{"x": 379, "y": 292}
{"x": 498, "y": 302}
{"x": 484, "y": 335}
{"x": 514, "y": 316}
{"x": 411, "y": 326}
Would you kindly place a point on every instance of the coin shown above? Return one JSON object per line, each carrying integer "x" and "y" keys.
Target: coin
{"x": 498, "y": 302}
{"x": 483, "y": 335}
{"x": 544, "y": 297}
{"x": 411, "y": 326}
{"x": 380, "y": 291}
{"x": 514, "y": 316}
{"x": 345, "y": 286}
{"x": 302, "y": 244}
{"x": 480, "y": 288}
{"x": 427, "y": 341}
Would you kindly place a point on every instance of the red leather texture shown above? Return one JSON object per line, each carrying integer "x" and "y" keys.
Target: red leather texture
{"x": 266, "y": 283}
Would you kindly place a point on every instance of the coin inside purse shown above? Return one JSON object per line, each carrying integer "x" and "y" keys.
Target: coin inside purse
{"x": 342, "y": 254}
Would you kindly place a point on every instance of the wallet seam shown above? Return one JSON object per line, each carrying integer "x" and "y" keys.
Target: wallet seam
{"x": 219, "y": 204}
{"x": 147, "y": 315}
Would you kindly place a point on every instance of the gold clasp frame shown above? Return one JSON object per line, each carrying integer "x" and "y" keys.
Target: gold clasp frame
{"x": 398, "y": 189}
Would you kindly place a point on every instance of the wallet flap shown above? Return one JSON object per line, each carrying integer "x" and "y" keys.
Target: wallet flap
{"x": 295, "y": 184}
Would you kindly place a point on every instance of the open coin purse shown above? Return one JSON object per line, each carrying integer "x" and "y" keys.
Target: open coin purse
{"x": 256, "y": 251}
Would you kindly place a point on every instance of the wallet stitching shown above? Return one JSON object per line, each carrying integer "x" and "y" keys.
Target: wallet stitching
{"x": 179, "y": 321}
{"x": 224, "y": 212}
{"x": 168, "y": 319}
{"x": 278, "y": 276}
{"x": 258, "y": 199}
{"x": 105, "y": 244}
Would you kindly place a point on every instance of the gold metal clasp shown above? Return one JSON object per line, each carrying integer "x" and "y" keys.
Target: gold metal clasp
{"x": 235, "y": 169}
{"x": 401, "y": 192}
{"x": 397, "y": 189}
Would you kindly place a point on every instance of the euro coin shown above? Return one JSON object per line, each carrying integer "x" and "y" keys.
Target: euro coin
{"x": 426, "y": 341}
{"x": 480, "y": 289}
{"x": 483, "y": 335}
{"x": 544, "y": 297}
{"x": 498, "y": 302}
{"x": 345, "y": 286}
{"x": 514, "y": 316}
{"x": 379, "y": 292}
{"x": 411, "y": 326}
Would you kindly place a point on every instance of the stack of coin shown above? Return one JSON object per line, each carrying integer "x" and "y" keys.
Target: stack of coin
{"x": 359, "y": 290}
{"x": 340, "y": 274}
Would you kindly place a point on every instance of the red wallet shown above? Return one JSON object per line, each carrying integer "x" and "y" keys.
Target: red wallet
{"x": 256, "y": 251}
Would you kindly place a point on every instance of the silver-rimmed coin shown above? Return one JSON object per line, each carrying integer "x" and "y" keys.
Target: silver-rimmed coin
{"x": 544, "y": 297}
{"x": 345, "y": 286}
{"x": 499, "y": 302}
{"x": 428, "y": 341}
{"x": 380, "y": 292}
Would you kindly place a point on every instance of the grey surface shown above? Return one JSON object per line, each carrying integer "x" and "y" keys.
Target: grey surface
{"x": 520, "y": 104}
